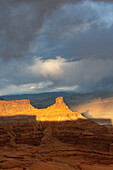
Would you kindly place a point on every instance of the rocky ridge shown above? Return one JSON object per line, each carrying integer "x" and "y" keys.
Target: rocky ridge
{"x": 57, "y": 112}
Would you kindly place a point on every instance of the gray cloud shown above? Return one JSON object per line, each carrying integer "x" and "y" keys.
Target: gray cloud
{"x": 20, "y": 21}
{"x": 76, "y": 35}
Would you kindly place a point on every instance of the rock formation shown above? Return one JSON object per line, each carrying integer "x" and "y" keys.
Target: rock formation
{"x": 16, "y": 107}
{"x": 98, "y": 108}
{"x": 57, "y": 112}
{"x": 55, "y": 145}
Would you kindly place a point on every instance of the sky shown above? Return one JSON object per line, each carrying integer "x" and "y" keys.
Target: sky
{"x": 56, "y": 45}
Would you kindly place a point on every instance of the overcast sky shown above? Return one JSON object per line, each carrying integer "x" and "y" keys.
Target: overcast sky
{"x": 56, "y": 45}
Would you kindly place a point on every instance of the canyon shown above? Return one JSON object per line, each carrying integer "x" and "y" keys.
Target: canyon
{"x": 52, "y": 138}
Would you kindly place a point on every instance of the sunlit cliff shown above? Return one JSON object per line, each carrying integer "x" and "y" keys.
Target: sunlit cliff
{"x": 56, "y": 112}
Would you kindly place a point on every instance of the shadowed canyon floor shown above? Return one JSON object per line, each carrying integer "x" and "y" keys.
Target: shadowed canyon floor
{"x": 79, "y": 144}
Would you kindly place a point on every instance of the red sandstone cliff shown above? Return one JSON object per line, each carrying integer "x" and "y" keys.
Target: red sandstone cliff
{"x": 57, "y": 112}
{"x": 16, "y": 107}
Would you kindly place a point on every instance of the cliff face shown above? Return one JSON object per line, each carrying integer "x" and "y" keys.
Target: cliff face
{"x": 16, "y": 107}
{"x": 98, "y": 108}
{"x": 57, "y": 112}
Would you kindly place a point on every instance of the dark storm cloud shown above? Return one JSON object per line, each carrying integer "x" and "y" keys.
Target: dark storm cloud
{"x": 20, "y": 20}
{"x": 76, "y": 35}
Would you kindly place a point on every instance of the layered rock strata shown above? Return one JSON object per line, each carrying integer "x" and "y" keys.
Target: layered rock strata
{"x": 55, "y": 145}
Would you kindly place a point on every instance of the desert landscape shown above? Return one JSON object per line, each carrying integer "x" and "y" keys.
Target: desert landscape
{"x": 52, "y": 138}
{"x": 56, "y": 84}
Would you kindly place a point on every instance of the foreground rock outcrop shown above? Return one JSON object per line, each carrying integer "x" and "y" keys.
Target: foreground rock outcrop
{"x": 57, "y": 112}
{"x": 80, "y": 144}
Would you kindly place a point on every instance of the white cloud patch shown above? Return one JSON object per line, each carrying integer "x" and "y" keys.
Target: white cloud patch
{"x": 78, "y": 75}
{"x": 59, "y": 74}
{"x": 51, "y": 68}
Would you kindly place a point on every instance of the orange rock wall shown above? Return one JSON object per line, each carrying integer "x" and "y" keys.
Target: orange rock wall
{"x": 14, "y": 107}
{"x": 57, "y": 112}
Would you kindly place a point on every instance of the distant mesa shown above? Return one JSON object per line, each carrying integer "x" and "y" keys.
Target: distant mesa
{"x": 56, "y": 112}
{"x": 97, "y": 108}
